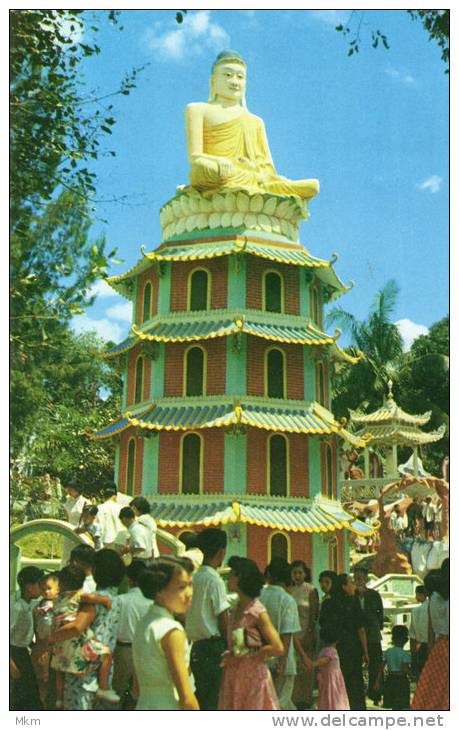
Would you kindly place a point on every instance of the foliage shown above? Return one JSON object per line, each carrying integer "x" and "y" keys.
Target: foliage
{"x": 68, "y": 401}
{"x": 57, "y": 133}
{"x": 424, "y": 386}
{"x": 364, "y": 384}
{"x": 435, "y": 22}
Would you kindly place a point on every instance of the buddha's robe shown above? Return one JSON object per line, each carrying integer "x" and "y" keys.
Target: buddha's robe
{"x": 243, "y": 142}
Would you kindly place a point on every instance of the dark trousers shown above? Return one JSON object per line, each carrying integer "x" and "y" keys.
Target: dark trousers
{"x": 350, "y": 659}
{"x": 206, "y": 656}
{"x": 419, "y": 659}
{"x": 24, "y": 690}
{"x": 375, "y": 658}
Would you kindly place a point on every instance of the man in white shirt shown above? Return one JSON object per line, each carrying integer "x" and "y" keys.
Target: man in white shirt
{"x": 419, "y": 631}
{"x": 24, "y": 688}
{"x": 139, "y": 541}
{"x": 142, "y": 509}
{"x": 108, "y": 517}
{"x": 283, "y": 612}
{"x": 133, "y": 606}
{"x": 207, "y": 619}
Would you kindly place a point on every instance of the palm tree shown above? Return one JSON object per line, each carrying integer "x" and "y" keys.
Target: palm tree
{"x": 364, "y": 385}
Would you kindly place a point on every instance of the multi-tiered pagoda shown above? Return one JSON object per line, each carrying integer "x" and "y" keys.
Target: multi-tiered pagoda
{"x": 226, "y": 406}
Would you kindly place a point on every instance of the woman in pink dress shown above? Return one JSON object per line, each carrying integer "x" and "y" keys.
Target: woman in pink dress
{"x": 252, "y": 639}
{"x": 332, "y": 690}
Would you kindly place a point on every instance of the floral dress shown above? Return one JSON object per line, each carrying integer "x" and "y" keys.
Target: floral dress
{"x": 81, "y": 654}
{"x": 247, "y": 682}
{"x": 79, "y": 692}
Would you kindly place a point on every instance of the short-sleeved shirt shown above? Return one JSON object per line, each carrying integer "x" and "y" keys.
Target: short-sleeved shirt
{"x": 21, "y": 622}
{"x": 157, "y": 690}
{"x": 283, "y": 612}
{"x": 395, "y": 658}
{"x": 149, "y": 523}
{"x": 439, "y": 615}
{"x": 133, "y": 607}
{"x": 140, "y": 537}
{"x": 419, "y": 627}
{"x": 209, "y": 601}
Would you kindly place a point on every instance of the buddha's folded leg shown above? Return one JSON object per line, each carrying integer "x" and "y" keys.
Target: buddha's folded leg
{"x": 208, "y": 178}
{"x": 305, "y": 189}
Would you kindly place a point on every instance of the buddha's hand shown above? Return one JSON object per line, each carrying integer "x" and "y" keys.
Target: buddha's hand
{"x": 225, "y": 168}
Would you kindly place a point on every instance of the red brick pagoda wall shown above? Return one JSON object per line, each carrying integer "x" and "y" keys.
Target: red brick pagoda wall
{"x": 256, "y": 349}
{"x": 148, "y": 276}
{"x": 132, "y": 359}
{"x": 258, "y": 545}
{"x": 126, "y": 436}
{"x": 257, "y": 462}
{"x": 218, "y": 269}
{"x": 291, "y": 276}
{"x": 169, "y": 461}
{"x": 216, "y": 366}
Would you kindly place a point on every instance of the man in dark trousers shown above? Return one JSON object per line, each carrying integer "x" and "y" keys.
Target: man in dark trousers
{"x": 372, "y": 606}
{"x": 206, "y": 621}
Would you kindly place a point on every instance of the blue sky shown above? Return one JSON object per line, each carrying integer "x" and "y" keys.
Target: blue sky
{"x": 373, "y": 128}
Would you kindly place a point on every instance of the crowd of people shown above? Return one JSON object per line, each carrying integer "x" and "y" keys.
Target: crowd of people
{"x": 163, "y": 634}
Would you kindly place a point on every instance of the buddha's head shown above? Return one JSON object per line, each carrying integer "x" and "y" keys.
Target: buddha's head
{"x": 228, "y": 79}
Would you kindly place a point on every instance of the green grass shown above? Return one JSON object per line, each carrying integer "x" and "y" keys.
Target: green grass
{"x": 42, "y": 545}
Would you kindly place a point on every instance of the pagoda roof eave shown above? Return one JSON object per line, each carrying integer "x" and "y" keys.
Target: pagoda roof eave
{"x": 203, "y": 413}
{"x": 412, "y": 437}
{"x": 293, "y": 254}
{"x": 190, "y": 327}
{"x": 390, "y": 414}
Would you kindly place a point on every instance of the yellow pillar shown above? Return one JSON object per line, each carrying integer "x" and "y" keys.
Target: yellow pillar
{"x": 366, "y": 456}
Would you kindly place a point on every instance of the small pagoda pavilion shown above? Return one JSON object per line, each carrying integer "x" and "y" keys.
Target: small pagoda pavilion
{"x": 390, "y": 427}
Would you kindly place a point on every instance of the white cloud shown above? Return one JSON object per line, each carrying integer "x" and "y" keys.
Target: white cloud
{"x": 330, "y": 17}
{"x": 101, "y": 289}
{"x": 103, "y": 327}
{"x": 122, "y": 311}
{"x": 197, "y": 33}
{"x": 409, "y": 331}
{"x": 432, "y": 184}
{"x": 402, "y": 76}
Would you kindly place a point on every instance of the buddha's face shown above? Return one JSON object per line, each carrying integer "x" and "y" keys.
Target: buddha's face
{"x": 228, "y": 82}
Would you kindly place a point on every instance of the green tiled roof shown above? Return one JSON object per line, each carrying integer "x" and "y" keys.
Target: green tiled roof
{"x": 322, "y": 516}
{"x": 294, "y": 255}
{"x": 313, "y": 419}
{"x": 205, "y": 329}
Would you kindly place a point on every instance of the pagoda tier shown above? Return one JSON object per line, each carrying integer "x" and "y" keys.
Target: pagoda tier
{"x": 197, "y": 326}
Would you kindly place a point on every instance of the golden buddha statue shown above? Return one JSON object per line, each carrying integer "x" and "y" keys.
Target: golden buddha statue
{"x": 227, "y": 145}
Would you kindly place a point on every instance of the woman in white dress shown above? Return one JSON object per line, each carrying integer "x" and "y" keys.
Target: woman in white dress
{"x": 160, "y": 648}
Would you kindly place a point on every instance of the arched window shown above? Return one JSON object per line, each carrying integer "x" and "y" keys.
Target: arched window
{"x": 275, "y": 374}
{"x": 272, "y": 292}
{"x": 199, "y": 290}
{"x": 320, "y": 384}
{"x": 130, "y": 472}
{"x": 278, "y": 466}
{"x": 329, "y": 471}
{"x": 315, "y": 306}
{"x": 138, "y": 388}
{"x": 191, "y": 462}
{"x": 146, "y": 304}
{"x": 194, "y": 371}
{"x": 279, "y": 547}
